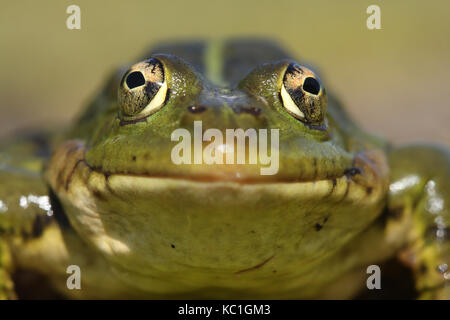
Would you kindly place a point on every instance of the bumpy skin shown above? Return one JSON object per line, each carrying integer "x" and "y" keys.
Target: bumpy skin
{"x": 107, "y": 197}
{"x": 418, "y": 198}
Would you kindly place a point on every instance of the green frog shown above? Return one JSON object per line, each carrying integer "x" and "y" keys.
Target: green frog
{"x": 125, "y": 205}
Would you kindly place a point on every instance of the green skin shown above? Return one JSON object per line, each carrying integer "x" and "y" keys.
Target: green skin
{"x": 140, "y": 226}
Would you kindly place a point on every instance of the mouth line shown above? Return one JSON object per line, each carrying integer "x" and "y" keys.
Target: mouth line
{"x": 338, "y": 188}
{"x": 349, "y": 173}
{"x": 70, "y": 160}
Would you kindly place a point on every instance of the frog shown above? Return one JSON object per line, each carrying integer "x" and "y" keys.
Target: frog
{"x": 100, "y": 209}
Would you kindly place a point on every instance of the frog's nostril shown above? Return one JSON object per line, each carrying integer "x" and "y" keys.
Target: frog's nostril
{"x": 311, "y": 85}
{"x": 135, "y": 79}
{"x": 196, "y": 109}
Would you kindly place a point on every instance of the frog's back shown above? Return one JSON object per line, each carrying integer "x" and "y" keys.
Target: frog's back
{"x": 224, "y": 62}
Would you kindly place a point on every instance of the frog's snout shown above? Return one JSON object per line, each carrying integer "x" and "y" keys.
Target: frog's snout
{"x": 225, "y": 117}
{"x": 252, "y": 110}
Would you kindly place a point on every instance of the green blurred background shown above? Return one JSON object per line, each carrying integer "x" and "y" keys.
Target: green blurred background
{"x": 395, "y": 81}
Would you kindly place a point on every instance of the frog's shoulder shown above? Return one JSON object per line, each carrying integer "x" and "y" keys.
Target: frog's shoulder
{"x": 25, "y": 208}
{"x": 26, "y": 151}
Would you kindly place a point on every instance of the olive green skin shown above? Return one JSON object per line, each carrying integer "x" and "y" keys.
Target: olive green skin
{"x": 140, "y": 226}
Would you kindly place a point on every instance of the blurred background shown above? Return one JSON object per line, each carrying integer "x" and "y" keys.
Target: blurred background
{"x": 394, "y": 81}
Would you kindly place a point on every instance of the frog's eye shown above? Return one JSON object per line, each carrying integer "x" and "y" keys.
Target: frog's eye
{"x": 143, "y": 89}
{"x": 303, "y": 95}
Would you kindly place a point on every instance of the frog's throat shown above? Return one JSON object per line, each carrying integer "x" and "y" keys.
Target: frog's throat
{"x": 368, "y": 177}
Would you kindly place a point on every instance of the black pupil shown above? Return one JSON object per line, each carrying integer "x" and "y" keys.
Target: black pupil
{"x": 135, "y": 79}
{"x": 311, "y": 85}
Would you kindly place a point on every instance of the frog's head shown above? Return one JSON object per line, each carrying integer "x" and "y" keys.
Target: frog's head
{"x": 161, "y": 100}
{"x": 125, "y": 190}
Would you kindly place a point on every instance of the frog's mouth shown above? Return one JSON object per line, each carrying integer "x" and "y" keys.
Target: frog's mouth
{"x": 368, "y": 170}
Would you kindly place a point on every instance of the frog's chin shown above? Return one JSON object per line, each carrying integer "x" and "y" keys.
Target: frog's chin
{"x": 168, "y": 234}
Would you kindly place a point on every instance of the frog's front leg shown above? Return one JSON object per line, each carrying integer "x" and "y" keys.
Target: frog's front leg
{"x": 25, "y": 209}
{"x": 6, "y": 283}
{"x": 418, "y": 200}
{"x": 25, "y": 212}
